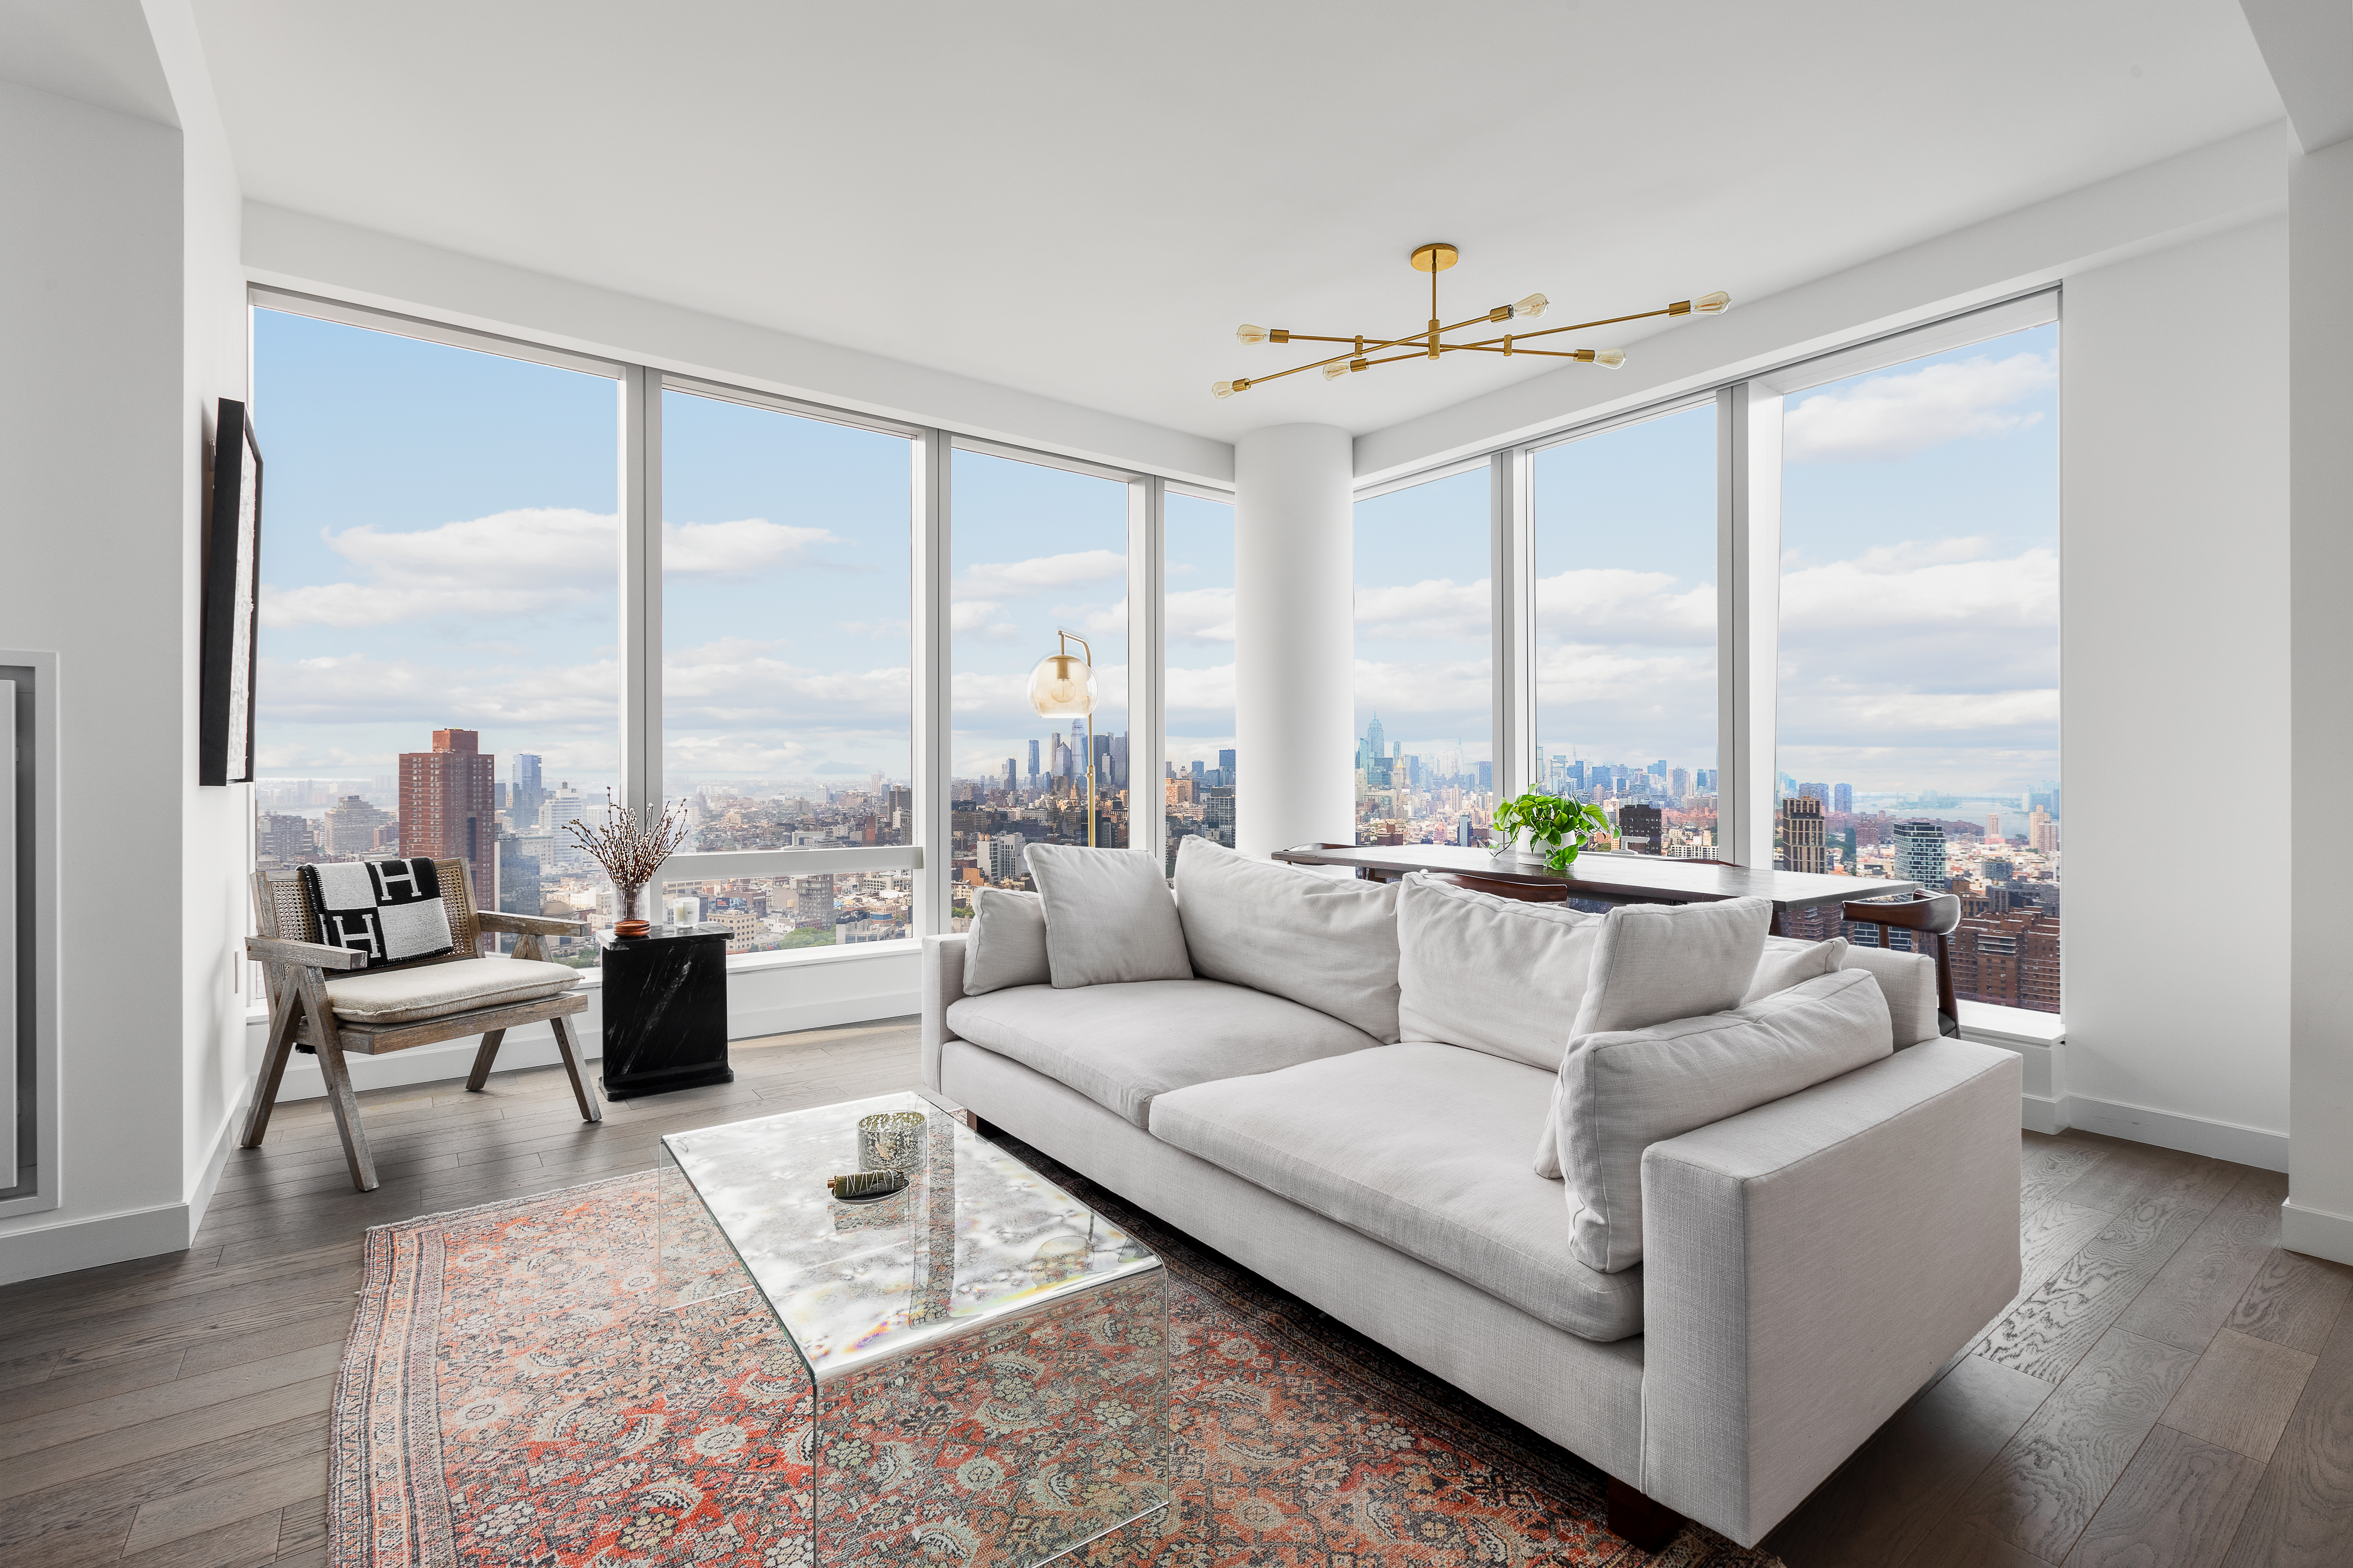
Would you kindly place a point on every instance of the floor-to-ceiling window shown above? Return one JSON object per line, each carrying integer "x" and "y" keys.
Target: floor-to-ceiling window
{"x": 438, "y": 668}
{"x": 1624, "y": 528}
{"x": 1424, "y": 768}
{"x": 1918, "y": 708}
{"x": 1037, "y": 551}
{"x": 786, "y": 553}
{"x": 1202, "y": 767}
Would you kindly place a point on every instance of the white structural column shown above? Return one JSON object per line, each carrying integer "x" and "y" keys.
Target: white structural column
{"x": 1294, "y": 637}
{"x": 2319, "y": 1218}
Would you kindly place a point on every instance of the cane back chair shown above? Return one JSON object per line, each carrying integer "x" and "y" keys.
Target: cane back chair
{"x": 301, "y": 1015}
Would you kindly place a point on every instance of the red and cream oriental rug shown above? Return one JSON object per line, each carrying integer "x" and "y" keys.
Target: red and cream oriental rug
{"x": 516, "y": 1392}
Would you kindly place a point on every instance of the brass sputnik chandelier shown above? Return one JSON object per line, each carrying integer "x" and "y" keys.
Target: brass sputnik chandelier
{"x": 1433, "y": 259}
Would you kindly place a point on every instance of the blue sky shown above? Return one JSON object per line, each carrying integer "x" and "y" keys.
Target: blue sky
{"x": 438, "y": 538}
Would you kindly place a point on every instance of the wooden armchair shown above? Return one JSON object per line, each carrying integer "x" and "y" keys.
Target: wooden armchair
{"x": 302, "y": 1004}
{"x": 1936, "y": 914}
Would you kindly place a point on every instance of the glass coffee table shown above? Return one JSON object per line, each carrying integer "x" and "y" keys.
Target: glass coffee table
{"x": 988, "y": 1358}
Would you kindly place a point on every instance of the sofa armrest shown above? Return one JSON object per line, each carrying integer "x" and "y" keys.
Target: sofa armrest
{"x": 1909, "y": 981}
{"x": 1809, "y": 1264}
{"x": 943, "y": 983}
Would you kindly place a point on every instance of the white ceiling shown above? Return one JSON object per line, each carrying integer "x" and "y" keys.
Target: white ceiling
{"x": 1081, "y": 198}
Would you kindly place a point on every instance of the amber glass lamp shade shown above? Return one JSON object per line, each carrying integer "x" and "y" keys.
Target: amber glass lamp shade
{"x": 1062, "y": 686}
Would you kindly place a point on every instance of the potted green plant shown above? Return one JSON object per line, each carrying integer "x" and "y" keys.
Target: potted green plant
{"x": 1560, "y": 825}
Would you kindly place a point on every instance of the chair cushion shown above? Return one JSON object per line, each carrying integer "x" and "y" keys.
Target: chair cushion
{"x": 1110, "y": 919}
{"x": 1324, "y": 942}
{"x": 1787, "y": 961}
{"x": 1122, "y": 1044}
{"x": 429, "y": 991}
{"x": 1419, "y": 1147}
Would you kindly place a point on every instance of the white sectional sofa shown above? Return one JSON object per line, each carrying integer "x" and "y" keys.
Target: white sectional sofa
{"x": 1806, "y": 1263}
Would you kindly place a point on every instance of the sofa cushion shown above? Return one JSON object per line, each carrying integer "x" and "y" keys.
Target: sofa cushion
{"x": 1109, "y": 915}
{"x": 1787, "y": 961}
{"x": 1491, "y": 974}
{"x": 1324, "y": 942}
{"x": 1417, "y": 1145}
{"x": 1624, "y": 1091}
{"x": 400, "y": 996}
{"x": 1908, "y": 980}
{"x": 1007, "y": 944}
{"x": 1121, "y": 1044}
{"x": 1656, "y": 962}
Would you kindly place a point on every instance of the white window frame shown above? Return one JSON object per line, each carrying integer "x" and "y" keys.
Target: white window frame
{"x": 931, "y": 466}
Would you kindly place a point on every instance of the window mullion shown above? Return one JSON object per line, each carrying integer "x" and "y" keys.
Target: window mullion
{"x": 1513, "y": 580}
{"x": 932, "y": 676}
{"x": 1749, "y": 592}
{"x": 640, "y": 587}
{"x": 1147, "y": 642}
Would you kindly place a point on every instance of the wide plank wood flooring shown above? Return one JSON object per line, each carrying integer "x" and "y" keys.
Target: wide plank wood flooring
{"x": 2168, "y": 1387}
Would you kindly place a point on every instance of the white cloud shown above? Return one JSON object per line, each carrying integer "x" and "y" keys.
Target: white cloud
{"x": 509, "y": 564}
{"x": 1610, "y": 605}
{"x": 1206, "y": 691}
{"x": 1201, "y": 615}
{"x": 1010, "y": 578}
{"x": 1906, "y": 588}
{"x": 1895, "y": 415}
{"x": 1437, "y": 609}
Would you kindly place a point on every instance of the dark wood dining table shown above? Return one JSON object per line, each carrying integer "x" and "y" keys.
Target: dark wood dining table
{"x": 1611, "y": 878}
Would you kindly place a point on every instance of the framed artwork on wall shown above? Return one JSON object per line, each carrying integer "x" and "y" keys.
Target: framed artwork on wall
{"x": 232, "y": 602}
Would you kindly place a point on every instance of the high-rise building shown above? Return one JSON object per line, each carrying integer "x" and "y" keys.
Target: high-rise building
{"x": 1678, "y": 783}
{"x": 1993, "y": 827}
{"x": 518, "y": 886}
{"x": 2041, "y": 833}
{"x": 1226, "y": 766}
{"x": 1706, "y": 780}
{"x": 1218, "y": 815}
{"x": 998, "y": 856}
{"x": 1033, "y": 765}
{"x": 1802, "y": 843}
{"x": 1375, "y": 737}
{"x": 1642, "y": 830}
{"x": 813, "y": 900}
{"x": 351, "y": 826}
{"x": 1486, "y": 777}
{"x": 286, "y": 839}
{"x": 1842, "y": 798}
{"x": 1819, "y": 794}
{"x": 524, "y": 798}
{"x": 1009, "y": 777}
{"x": 447, "y": 809}
{"x": 1920, "y": 854}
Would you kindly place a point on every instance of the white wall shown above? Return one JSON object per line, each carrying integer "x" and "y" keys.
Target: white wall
{"x": 2173, "y": 440}
{"x": 94, "y": 439}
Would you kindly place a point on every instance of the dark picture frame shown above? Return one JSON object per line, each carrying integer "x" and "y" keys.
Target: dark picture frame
{"x": 232, "y": 604}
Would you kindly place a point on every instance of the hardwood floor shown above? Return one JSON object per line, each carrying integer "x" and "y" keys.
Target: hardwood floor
{"x": 172, "y": 1413}
{"x": 2168, "y": 1387}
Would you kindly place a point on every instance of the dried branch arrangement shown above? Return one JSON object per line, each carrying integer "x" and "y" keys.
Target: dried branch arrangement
{"x": 630, "y": 849}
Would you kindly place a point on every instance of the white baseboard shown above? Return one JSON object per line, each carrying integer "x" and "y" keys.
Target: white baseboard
{"x": 2169, "y": 1130}
{"x": 2316, "y": 1231}
{"x": 88, "y": 1242}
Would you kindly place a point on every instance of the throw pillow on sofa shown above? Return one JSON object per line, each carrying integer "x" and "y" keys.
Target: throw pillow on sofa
{"x": 1787, "y": 961}
{"x": 1109, "y": 917}
{"x": 1623, "y": 1091}
{"x": 1491, "y": 974}
{"x": 1654, "y": 962}
{"x": 1320, "y": 942}
{"x": 1007, "y": 944}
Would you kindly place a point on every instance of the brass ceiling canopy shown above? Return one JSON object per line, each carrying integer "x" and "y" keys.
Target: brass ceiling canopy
{"x": 1433, "y": 259}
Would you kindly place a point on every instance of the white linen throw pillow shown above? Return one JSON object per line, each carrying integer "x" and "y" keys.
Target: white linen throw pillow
{"x": 1109, "y": 916}
{"x": 1007, "y": 945}
{"x": 1654, "y": 962}
{"x": 1324, "y": 942}
{"x": 1623, "y": 1091}
{"x": 1787, "y": 961}
{"x": 1491, "y": 974}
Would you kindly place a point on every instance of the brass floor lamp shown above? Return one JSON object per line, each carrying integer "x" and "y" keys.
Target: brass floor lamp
{"x": 1063, "y": 686}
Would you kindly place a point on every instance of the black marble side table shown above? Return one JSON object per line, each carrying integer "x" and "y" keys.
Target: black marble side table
{"x": 665, "y": 1010}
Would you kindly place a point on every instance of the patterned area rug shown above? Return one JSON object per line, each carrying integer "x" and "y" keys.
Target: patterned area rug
{"x": 516, "y": 1391}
